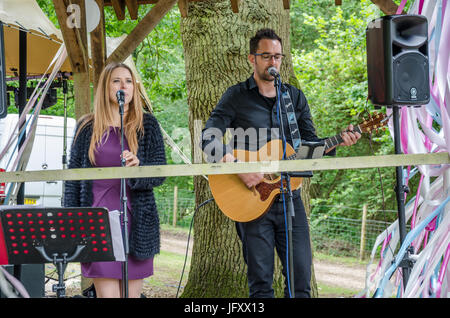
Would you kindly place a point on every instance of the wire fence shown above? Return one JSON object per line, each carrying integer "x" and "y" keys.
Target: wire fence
{"x": 332, "y": 235}
{"x": 176, "y": 208}
{"x": 342, "y": 236}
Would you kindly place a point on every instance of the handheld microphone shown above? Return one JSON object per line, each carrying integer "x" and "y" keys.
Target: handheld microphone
{"x": 120, "y": 99}
{"x": 273, "y": 71}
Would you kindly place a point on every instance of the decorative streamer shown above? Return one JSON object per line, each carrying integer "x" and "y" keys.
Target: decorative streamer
{"x": 423, "y": 130}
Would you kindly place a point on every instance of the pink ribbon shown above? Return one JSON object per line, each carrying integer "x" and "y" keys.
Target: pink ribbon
{"x": 442, "y": 272}
{"x": 420, "y": 6}
{"x": 401, "y": 7}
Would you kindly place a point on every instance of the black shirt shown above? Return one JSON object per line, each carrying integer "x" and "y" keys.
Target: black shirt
{"x": 253, "y": 120}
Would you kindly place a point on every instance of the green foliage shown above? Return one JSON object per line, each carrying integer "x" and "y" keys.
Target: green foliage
{"x": 160, "y": 62}
{"x": 333, "y": 75}
{"x": 329, "y": 59}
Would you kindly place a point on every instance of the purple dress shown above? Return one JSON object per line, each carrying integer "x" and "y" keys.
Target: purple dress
{"x": 107, "y": 194}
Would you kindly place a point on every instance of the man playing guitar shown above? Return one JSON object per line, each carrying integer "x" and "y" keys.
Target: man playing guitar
{"x": 252, "y": 105}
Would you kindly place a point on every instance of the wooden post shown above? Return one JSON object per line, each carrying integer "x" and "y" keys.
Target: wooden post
{"x": 98, "y": 47}
{"x": 387, "y": 6}
{"x": 75, "y": 39}
{"x": 175, "y": 204}
{"x": 363, "y": 233}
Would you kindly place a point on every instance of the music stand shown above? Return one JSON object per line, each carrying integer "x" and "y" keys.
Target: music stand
{"x": 55, "y": 235}
{"x": 311, "y": 150}
{"x": 308, "y": 150}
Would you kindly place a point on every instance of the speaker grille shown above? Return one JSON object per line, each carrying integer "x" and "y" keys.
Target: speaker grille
{"x": 410, "y": 78}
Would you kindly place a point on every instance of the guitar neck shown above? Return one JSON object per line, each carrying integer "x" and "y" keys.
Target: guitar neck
{"x": 337, "y": 139}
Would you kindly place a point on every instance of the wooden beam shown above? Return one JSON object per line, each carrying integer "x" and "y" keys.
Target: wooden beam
{"x": 133, "y": 7}
{"x": 338, "y": 2}
{"x": 119, "y": 8}
{"x": 235, "y": 6}
{"x": 343, "y": 163}
{"x": 73, "y": 29}
{"x": 144, "y": 27}
{"x": 139, "y": 2}
{"x": 183, "y": 7}
{"x": 387, "y": 6}
{"x": 286, "y": 4}
{"x": 82, "y": 93}
{"x": 72, "y": 24}
{"x": 98, "y": 47}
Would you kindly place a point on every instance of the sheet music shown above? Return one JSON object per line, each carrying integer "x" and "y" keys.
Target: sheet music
{"x": 116, "y": 235}
{"x": 310, "y": 150}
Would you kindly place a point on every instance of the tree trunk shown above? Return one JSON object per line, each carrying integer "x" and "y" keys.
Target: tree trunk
{"x": 215, "y": 42}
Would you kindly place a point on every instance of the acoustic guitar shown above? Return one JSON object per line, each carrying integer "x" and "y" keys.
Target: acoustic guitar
{"x": 242, "y": 204}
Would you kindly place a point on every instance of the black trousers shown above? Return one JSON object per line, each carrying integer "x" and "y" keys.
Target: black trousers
{"x": 259, "y": 239}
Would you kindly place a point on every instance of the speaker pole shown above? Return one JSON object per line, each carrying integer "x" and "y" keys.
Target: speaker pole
{"x": 401, "y": 189}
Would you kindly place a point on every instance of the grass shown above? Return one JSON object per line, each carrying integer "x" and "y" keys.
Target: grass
{"x": 326, "y": 291}
{"x": 168, "y": 267}
{"x": 345, "y": 260}
{"x": 168, "y": 270}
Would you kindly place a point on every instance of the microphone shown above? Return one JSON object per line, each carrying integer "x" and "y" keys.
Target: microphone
{"x": 273, "y": 71}
{"x": 120, "y": 99}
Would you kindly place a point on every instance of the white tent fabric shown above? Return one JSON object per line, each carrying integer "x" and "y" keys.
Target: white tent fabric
{"x": 43, "y": 38}
{"x": 28, "y": 14}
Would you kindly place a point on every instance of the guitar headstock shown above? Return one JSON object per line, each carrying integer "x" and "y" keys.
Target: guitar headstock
{"x": 375, "y": 121}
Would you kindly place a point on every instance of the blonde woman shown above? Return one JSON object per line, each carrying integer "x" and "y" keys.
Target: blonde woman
{"x": 97, "y": 144}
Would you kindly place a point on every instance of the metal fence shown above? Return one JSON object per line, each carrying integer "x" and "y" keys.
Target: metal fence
{"x": 329, "y": 234}
{"x": 179, "y": 208}
{"x": 342, "y": 236}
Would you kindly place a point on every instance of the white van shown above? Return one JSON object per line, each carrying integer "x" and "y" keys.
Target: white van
{"x": 46, "y": 153}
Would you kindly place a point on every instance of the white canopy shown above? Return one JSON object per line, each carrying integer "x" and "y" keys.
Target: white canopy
{"x": 43, "y": 38}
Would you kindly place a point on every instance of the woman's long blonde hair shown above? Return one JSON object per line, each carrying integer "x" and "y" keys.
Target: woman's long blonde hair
{"x": 103, "y": 113}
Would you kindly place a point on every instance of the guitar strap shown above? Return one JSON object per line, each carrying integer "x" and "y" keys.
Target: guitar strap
{"x": 292, "y": 121}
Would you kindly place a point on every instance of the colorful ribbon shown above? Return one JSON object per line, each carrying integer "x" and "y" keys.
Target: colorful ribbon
{"x": 422, "y": 130}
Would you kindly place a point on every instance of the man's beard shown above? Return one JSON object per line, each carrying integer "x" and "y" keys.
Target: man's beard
{"x": 265, "y": 76}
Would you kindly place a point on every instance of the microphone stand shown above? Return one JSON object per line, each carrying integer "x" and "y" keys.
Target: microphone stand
{"x": 64, "y": 156}
{"x": 401, "y": 189}
{"x": 288, "y": 191}
{"x": 123, "y": 197}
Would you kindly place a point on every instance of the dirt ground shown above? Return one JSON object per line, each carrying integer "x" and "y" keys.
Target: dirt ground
{"x": 328, "y": 273}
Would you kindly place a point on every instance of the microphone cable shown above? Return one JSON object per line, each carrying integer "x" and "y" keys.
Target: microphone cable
{"x": 189, "y": 237}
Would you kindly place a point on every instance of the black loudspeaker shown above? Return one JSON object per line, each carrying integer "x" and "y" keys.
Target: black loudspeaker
{"x": 3, "y": 101}
{"x": 397, "y": 60}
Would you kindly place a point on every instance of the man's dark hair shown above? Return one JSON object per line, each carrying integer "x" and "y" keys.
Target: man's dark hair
{"x": 260, "y": 35}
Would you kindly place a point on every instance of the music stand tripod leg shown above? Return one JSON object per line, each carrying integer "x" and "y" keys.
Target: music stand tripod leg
{"x": 60, "y": 263}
